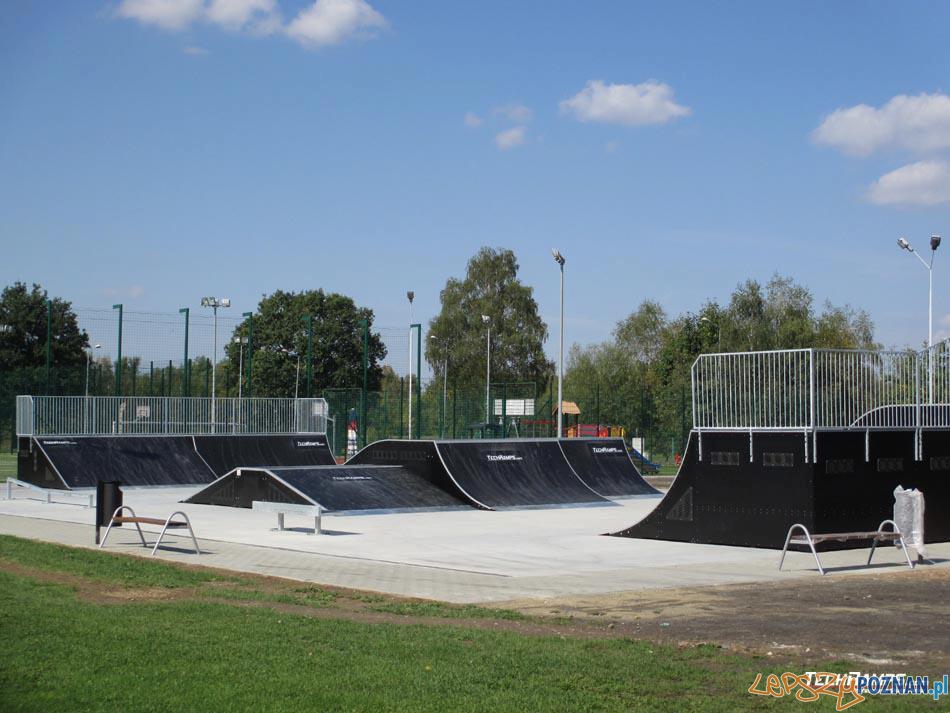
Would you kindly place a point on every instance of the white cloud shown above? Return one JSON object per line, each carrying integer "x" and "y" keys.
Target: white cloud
{"x": 329, "y": 22}
{"x": 240, "y": 14}
{"x": 509, "y": 138}
{"x": 921, "y": 183}
{"x": 628, "y": 104}
{"x": 325, "y": 22}
{"x": 167, "y": 14}
{"x": 919, "y": 123}
{"x": 195, "y": 50}
{"x": 473, "y": 121}
{"x": 514, "y": 112}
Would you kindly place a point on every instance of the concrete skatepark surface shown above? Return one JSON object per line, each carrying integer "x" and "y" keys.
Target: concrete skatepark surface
{"x": 469, "y": 556}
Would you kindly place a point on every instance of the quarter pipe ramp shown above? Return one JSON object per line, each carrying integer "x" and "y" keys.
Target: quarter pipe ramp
{"x": 605, "y": 467}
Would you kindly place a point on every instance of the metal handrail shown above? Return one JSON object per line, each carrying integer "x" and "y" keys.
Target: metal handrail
{"x": 72, "y": 416}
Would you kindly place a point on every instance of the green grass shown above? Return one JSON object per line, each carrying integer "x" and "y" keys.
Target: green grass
{"x": 65, "y": 653}
{"x": 102, "y": 566}
{"x": 7, "y": 465}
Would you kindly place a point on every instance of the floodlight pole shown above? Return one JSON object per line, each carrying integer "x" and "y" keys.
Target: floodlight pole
{"x": 214, "y": 303}
{"x": 411, "y": 295}
{"x": 929, "y": 266}
{"x": 487, "y": 320}
{"x": 559, "y": 259}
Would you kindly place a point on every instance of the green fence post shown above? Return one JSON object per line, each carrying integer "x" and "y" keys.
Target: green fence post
{"x": 455, "y": 398}
{"x": 151, "y": 378}
{"x": 184, "y": 362}
{"x": 401, "y": 390}
{"x": 250, "y": 352}
{"x": 364, "y": 427}
{"x": 118, "y": 361}
{"x": 135, "y": 372}
{"x": 161, "y": 374}
{"x": 418, "y": 328}
{"x": 309, "y": 375}
{"x": 49, "y": 342}
{"x": 208, "y": 378}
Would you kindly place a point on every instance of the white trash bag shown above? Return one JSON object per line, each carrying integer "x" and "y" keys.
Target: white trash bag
{"x": 909, "y": 516}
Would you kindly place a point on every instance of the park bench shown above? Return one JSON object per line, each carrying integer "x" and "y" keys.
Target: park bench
{"x": 167, "y": 524}
{"x": 314, "y": 511}
{"x": 874, "y": 536}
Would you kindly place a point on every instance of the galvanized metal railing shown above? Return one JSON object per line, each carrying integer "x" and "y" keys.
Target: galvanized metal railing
{"x": 822, "y": 389}
{"x": 159, "y": 415}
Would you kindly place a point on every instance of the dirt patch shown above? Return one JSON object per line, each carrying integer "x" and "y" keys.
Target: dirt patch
{"x": 885, "y": 620}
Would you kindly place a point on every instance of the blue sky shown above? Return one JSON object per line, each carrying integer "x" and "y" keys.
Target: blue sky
{"x": 153, "y": 151}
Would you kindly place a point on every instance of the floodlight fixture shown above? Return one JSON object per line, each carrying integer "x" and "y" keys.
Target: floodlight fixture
{"x": 934, "y": 242}
{"x": 904, "y": 245}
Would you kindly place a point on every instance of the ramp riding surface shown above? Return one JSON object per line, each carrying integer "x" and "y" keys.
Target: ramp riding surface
{"x": 748, "y": 488}
{"x": 81, "y": 462}
{"x": 605, "y": 467}
{"x": 421, "y": 457}
{"x": 344, "y": 488}
{"x": 224, "y": 453}
{"x": 514, "y": 473}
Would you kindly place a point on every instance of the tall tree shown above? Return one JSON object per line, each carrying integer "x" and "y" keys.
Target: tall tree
{"x": 490, "y": 287}
{"x": 280, "y": 337}
{"x": 23, "y": 329}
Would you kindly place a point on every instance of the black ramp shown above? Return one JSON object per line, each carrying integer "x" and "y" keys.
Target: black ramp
{"x": 730, "y": 499}
{"x": 335, "y": 488}
{"x": 515, "y": 473}
{"x": 605, "y": 466}
{"x": 420, "y": 457}
{"x": 133, "y": 460}
{"x": 224, "y": 453}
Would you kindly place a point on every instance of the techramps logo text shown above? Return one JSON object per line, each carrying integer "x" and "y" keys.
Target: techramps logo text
{"x": 310, "y": 444}
{"x": 606, "y": 450}
{"x": 503, "y": 457}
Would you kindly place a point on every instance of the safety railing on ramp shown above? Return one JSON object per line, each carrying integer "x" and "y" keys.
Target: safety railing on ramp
{"x": 156, "y": 416}
{"x": 822, "y": 389}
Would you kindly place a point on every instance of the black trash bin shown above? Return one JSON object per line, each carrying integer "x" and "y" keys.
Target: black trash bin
{"x": 108, "y": 498}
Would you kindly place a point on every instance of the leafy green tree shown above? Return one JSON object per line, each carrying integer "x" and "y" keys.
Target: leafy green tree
{"x": 23, "y": 330}
{"x": 280, "y": 337}
{"x": 490, "y": 287}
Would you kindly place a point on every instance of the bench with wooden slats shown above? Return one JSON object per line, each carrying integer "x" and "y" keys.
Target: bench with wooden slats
{"x": 166, "y": 524}
{"x": 809, "y": 540}
{"x": 171, "y": 524}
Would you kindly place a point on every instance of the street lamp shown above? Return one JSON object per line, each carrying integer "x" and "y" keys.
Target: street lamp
{"x": 88, "y": 360}
{"x": 487, "y": 321}
{"x": 411, "y": 295}
{"x": 291, "y": 352}
{"x": 214, "y": 303}
{"x": 934, "y": 244}
{"x": 241, "y": 341}
{"x": 559, "y": 259}
{"x": 445, "y": 377}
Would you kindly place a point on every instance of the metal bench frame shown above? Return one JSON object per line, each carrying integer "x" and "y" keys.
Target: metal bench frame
{"x": 135, "y": 519}
{"x": 879, "y": 535}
